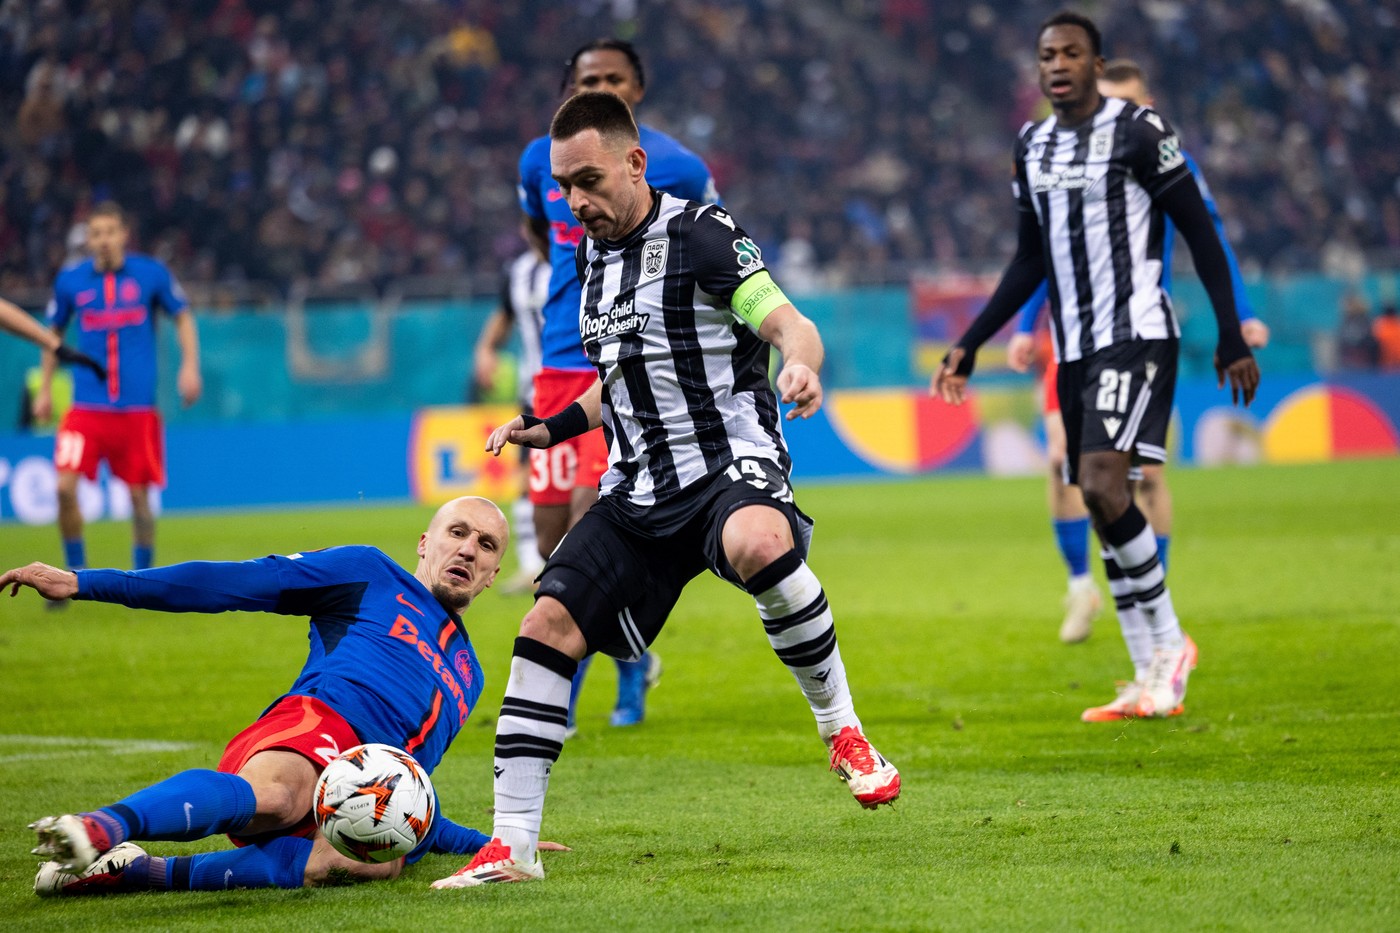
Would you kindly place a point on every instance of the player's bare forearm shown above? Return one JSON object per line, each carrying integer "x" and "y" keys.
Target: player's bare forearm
{"x": 795, "y": 336}
{"x": 189, "y": 382}
{"x": 486, "y": 356}
{"x": 49, "y": 582}
{"x": 800, "y": 343}
{"x": 14, "y": 319}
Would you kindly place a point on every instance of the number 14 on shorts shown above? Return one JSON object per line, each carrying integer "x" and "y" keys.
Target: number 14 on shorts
{"x": 753, "y": 473}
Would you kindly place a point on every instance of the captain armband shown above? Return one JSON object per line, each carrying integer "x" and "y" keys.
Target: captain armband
{"x": 756, "y": 298}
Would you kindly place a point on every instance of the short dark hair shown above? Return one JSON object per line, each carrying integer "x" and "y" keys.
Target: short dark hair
{"x": 594, "y": 110}
{"x": 1071, "y": 18}
{"x": 600, "y": 45}
{"x": 1124, "y": 69}
{"x": 108, "y": 209}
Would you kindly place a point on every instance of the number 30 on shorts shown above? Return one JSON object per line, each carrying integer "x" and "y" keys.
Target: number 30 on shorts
{"x": 68, "y": 450}
{"x": 553, "y": 468}
{"x": 1114, "y": 390}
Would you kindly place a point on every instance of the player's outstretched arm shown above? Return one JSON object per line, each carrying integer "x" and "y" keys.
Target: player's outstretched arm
{"x": 1020, "y": 280}
{"x": 1233, "y": 360}
{"x": 14, "y": 319}
{"x": 585, "y": 414}
{"x": 800, "y": 343}
{"x": 50, "y": 582}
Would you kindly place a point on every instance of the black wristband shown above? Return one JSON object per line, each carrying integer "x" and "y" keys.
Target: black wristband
{"x": 571, "y": 422}
{"x": 966, "y": 364}
{"x": 1231, "y": 347}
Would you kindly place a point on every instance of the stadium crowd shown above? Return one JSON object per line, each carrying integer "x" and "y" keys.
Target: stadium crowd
{"x": 347, "y": 141}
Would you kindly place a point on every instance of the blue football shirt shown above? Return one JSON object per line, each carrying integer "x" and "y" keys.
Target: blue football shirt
{"x": 384, "y": 653}
{"x": 115, "y": 313}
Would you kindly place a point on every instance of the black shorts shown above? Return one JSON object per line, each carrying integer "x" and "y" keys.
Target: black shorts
{"x": 1120, "y": 398}
{"x": 619, "y": 578}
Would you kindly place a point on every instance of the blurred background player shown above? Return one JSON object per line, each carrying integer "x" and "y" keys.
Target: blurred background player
{"x": 390, "y": 662}
{"x": 114, "y": 296}
{"x": 1094, "y": 184}
{"x": 1124, "y": 79}
{"x": 564, "y": 479}
{"x": 524, "y": 288}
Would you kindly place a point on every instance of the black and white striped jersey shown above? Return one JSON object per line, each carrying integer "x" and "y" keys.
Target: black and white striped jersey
{"x": 685, "y": 381}
{"x": 523, "y": 295}
{"x": 1092, "y": 188}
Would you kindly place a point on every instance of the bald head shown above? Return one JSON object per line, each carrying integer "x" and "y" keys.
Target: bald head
{"x": 460, "y": 552}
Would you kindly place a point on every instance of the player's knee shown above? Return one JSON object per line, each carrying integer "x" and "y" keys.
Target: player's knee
{"x": 68, "y": 486}
{"x": 278, "y": 804}
{"x": 1103, "y": 500}
{"x": 750, "y": 554}
{"x": 550, "y": 623}
{"x": 1150, "y": 485}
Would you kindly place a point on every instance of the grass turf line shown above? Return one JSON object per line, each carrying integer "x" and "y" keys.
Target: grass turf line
{"x": 1272, "y": 802}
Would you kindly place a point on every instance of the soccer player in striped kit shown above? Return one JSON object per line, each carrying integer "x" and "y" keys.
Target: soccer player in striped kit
{"x": 1121, "y": 78}
{"x": 113, "y": 297}
{"x": 1095, "y": 183}
{"x": 678, "y": 315}
{"x": 564, "y": 480}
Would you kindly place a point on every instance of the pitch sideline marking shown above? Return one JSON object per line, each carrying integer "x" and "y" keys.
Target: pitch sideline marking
{"x": 69, "y": 746}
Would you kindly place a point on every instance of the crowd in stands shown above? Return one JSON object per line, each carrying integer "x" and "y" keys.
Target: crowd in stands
{"x": 350, "y": 141}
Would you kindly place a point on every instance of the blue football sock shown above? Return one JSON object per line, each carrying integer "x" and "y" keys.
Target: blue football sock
{"x": 1162, "y": 542}
{"x": 188, "y": 805}
{"x": 142, "y": 557}
{"x": 74, "y": 554}
{"x": 277, "y": 863}
{"x": 1072, "y": 535}
{"x": 577, "y": 686}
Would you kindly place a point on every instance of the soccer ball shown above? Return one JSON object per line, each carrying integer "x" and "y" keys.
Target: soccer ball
{"x": 374, "y": 803}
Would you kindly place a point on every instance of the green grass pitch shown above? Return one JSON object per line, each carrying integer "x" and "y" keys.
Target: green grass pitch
{"x": 1273, "y": 803}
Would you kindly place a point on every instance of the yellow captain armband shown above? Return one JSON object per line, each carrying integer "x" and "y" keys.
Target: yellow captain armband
{"x": 758, "y": 297}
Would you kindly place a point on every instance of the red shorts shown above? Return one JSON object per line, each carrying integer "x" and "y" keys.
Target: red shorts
{"x": 577, "y": 463}
{"x": 130, "y": 441}
{"x": 1050, "y": 400}
{"x": 298, "y": 724}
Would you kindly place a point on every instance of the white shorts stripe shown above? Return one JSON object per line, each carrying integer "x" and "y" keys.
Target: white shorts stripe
{"x": 1125, "y": 440}
{"x": 629, "y": 631}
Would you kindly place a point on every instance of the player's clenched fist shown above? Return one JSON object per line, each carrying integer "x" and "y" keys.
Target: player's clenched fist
{"x": 51, "y": 582}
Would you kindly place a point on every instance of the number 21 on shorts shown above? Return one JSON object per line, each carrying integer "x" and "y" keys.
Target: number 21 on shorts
{"x": 1113, "y": 390}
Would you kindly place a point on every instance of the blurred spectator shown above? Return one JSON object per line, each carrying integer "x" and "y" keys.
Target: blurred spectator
{"x": 1357, "y": 348}
{"x": 868, "y": 138}
{"x": 1386, "y": 330}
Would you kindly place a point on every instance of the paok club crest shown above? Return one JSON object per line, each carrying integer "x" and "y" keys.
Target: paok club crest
{"x": 654, "y": 258}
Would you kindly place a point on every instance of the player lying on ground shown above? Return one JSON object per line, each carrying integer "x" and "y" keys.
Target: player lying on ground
{"x": 678, "y": 314}
{"x": 390, "y": 662}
